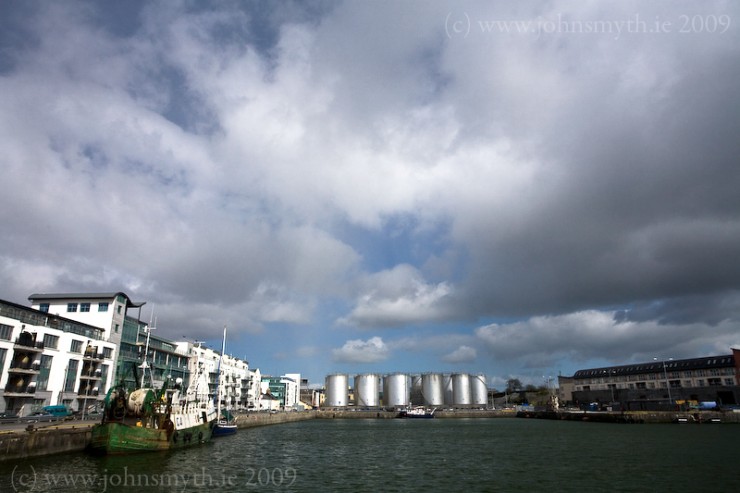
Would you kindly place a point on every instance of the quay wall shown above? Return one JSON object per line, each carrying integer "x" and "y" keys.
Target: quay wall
{"x": 352, "y": 414}
{"x": 629, "y": 416}
{"x": 381, "y": 414}
{"x": 36, "y": 442}
{"x": 252, "y": 420}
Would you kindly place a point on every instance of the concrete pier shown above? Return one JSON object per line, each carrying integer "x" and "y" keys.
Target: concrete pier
{"x": 73, "y": 436}
{"x": 34, "y": 442}
{"x": 252, "y": 420}
{"x": 631, "y": 417}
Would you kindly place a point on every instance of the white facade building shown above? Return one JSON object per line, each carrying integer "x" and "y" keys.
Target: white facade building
{"x": 235, "y": 383}
{"x": 46, "y": 359}
{"x": 292, "y": 383}
{"x": 69, "y": 348}
{"x": 107, "y": 311}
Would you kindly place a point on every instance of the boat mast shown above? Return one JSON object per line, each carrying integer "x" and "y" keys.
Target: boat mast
{"x": 145, "y": 364}
{"x": 218, "y": 385}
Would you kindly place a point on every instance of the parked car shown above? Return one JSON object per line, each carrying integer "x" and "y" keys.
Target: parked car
{"x": 58, "y": 410}
{"x": 49, "y": 413}
{"x": 8, "y": 415}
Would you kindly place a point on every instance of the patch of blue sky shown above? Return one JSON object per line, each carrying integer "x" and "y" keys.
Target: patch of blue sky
{"x": 400, "y": 240}
{"x": 16, "y": 33}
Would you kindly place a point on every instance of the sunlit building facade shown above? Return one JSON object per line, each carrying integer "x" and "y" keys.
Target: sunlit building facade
{"x": 47, "y": 359}
{"x": 662, "y": 384}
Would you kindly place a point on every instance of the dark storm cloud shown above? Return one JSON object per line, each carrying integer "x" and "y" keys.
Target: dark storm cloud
{"x": 634, "y": 191}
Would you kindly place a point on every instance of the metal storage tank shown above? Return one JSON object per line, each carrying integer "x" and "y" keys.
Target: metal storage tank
{"x": 432, "y": 389}
{"x": 367, "y": 390}
{"x": 449, "y": 398}
{"x": 416, "y": 397}
{"x": 479, "y": 390}
{"x": 337, "y": 393}
{"x": 461, "y": 389}
{"x": 396, "y": 390}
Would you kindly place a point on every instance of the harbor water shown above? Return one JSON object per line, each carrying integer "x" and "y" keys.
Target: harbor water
{"x": 437, "y": 455}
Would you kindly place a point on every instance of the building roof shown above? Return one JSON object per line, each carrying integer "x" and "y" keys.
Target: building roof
{"x": 38, "y": 318}
{"x": 85, "y": 296}
{"x": 722, "y": 361}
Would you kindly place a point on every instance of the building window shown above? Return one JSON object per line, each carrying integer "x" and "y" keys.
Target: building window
{"x": 84, "y": 307}
{"x": 69, "y": 383}
{"x": 700, "y": 383}
{"x": 44, "y": 307}
{"x": 3, "y": 352}
{"x": 71, "y": 307}
{"x": 51, "y": 341}
{"x": 76, "y": 346}
{"x": 103, "y": 377}
{"x": 6, "y": 332}
{"x": 116, "y": 328}
{"x": 102, "y": 307}
{"x": 107, "y": 353}
{"x": 118, "y": 309}
{"x": 729, "y": 382}
{"x": 43, "y": 379}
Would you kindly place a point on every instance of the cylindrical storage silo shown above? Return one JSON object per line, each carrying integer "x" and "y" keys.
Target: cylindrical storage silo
{"x": 367, "y": 390}
{"x": 396, "y": 390}
{"x": 416, "y": 398}
{"x": 337, "y": 393}
{"x": 432, "y": 389}
{"x": 448, "y": 395}
{"x": 479, "y": 390}
{"x": 461, "y": 389}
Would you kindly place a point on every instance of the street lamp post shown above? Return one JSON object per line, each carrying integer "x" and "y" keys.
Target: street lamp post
{"x": 667, "y": 383}
{"x": 612, "y": 384}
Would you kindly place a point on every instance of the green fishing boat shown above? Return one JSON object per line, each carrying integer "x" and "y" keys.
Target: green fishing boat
{"x": 146, "y": 419}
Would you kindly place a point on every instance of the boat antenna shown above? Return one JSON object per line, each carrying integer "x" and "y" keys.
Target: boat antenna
{"x": 145, "y": 364}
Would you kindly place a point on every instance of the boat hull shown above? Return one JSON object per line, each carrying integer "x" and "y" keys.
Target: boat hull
{"x": 412, "y": 415}
{"x": 221, "y": 429}
{"x": 119, "y": 438}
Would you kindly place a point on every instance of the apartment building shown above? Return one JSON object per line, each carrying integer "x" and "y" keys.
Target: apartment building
{"x": 112, "y": 312}
{"x": 48, "y": 359}
{"x": 237, "y": 386}
{"x": 662, "y": 383}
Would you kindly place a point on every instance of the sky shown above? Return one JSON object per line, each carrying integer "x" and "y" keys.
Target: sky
{"x": 520, "y": 189}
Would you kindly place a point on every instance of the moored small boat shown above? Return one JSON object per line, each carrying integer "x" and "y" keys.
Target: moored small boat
{"x": 226, "y": 424}
{"x": 417, "y": 413}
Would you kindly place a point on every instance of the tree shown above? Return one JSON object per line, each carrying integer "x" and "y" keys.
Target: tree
{"x": 513, "y": 385}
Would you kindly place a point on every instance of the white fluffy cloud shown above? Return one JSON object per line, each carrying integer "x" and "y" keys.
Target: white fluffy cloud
{"x": 359, "y": 351}
{"x": 463, "y": 354}
{"x": 399, "y": 296}
{"x": 587, "y": 335}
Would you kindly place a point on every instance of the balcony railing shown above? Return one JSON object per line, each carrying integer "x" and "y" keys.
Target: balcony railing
{"x": 92, "y": 376}
{"x": 35, "y": 346}
{"x": 24, "y": 390}
{"x": 88, "y": 392}
{"x": 25, "y": 367}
